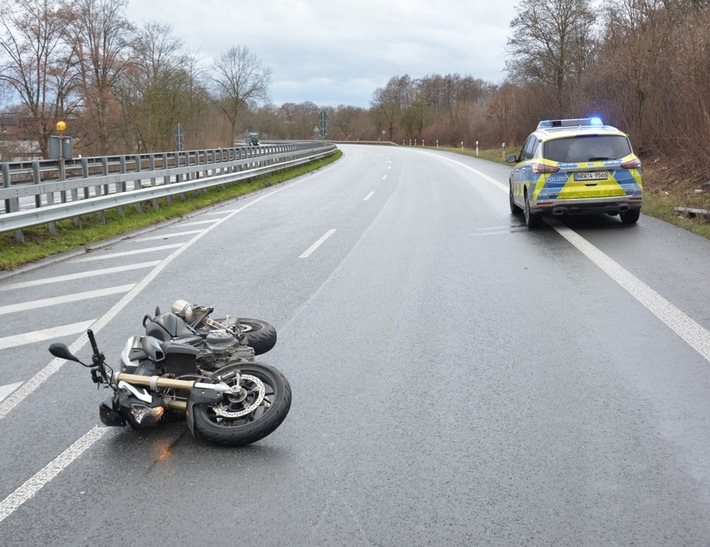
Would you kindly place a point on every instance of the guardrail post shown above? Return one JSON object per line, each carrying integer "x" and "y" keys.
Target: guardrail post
{"x": 151, "y": 166}
{"x": 97, "y": 189}
{"x": 166, "y": 178}
{"x": 137, "y": 184}
{"x": 12, "y": 204}
{"x": 121, "y": 186}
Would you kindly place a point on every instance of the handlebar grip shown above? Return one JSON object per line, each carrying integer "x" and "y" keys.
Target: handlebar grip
{"x": 92, "y": 339}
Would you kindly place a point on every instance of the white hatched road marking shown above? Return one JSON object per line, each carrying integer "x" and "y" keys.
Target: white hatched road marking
{"x": 33, "y": 485}
{"x": 44, "y": 302}
{"x": 317, "y": 244}
{"x": 101, "y": 256}
{"x": 7, "y": 389}
{"x": 168, "y": 236}
{"x": 80, "y": 275}
{"x": 44, "y": 334}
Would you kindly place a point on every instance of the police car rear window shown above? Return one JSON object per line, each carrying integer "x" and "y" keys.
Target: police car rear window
{"x": 586, "y": 148}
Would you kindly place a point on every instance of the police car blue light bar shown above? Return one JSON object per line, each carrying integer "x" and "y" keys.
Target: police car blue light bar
{"x": 571, "y": 122}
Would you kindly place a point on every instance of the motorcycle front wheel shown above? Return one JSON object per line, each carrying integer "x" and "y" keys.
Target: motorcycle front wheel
{"x": 249, "y": 413}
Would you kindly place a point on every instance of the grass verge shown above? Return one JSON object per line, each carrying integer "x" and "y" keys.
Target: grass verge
{"x": 41, "y": 243}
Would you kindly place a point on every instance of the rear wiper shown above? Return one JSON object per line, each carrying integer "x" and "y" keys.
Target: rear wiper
{"x": 598, "y": 159}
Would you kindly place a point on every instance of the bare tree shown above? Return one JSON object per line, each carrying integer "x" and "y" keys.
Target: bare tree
{"x": 34, "y": 62}
{"x": 99, "y": 33}
{"x": 239, "y": 79}
{"x": 552, "y": 43}
{"x": 391, "y": 100}
{"x": 155, "y": 90}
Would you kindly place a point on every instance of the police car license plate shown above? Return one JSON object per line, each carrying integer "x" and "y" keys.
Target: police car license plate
{"x": 591, "y": 175}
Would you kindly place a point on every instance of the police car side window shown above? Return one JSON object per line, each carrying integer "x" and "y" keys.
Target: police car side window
{"x": 528, "y": 148}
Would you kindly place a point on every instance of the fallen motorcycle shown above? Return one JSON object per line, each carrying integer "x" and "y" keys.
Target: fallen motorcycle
{"x": 234, "y": 405}
{"x": 227, "y": 338}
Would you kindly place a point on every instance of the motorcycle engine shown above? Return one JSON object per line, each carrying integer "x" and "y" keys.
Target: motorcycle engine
{"x": 220, "y": 342}
{"x": 226, "y": 348}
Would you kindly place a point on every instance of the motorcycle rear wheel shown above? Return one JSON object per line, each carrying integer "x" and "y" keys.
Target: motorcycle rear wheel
{"x": 260, "y": 335}
{"x": 252, "y": 414}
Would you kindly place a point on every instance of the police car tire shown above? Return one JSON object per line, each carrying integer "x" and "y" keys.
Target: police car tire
{"x": 532, "y": 220}
{"x": 513, "y": 207}
{"x": 630, "y": 217}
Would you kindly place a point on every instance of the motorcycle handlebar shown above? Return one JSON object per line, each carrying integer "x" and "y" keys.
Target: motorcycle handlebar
{"x": 92, "y": 339}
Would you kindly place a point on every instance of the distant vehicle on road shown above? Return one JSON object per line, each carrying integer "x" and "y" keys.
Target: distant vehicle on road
{"x": 575, "y": 166}
{"x": 252, "y": 139}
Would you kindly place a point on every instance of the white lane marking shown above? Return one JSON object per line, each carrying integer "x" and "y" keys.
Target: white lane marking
{"x": 51, "y": 470}
{"x": 384, "y": 178}
{"x": 317, "y": 244}
{"x": 694, "y": 334}
{"x": 44, "y": 302}
{"x": 689, "y": 330}
{"x": 198, "y": 222}
{"x": 80, "y": 275}
{"x": 55, "y": 364}
{"x": 7, "y": 389}
{"x": 167, "y": 236}
{"x": 368, "y": 196}
{"x": 493, "y": 181}
{"x": 44, "y": 334}
{"x": 102, "y": 256}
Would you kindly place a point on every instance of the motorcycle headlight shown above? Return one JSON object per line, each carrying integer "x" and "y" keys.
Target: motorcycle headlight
{"x": 142, "y": 415}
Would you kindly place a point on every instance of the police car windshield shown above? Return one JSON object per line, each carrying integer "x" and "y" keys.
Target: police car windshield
{"x": 585, "y": 148}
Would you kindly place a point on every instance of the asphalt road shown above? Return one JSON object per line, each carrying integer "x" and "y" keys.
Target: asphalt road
{"x": 457, "y": 379}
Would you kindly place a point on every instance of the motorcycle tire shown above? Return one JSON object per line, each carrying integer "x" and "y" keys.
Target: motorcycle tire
{"x": 260, "y": 335}
{"x": 241, "y": 419}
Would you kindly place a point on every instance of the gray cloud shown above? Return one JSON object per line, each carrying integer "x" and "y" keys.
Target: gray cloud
{"x": 339, "y": 52}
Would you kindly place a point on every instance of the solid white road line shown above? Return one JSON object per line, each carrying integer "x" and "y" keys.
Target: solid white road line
{"x": 34, "y": 304}
{"x": 688, "y": 329}
{"x": 317, "y": 244}
{"x": 51, "y": 470}
{"x": 80, "y": 275}
{"x": 44, "y": 334}
{"x": 102, "y": 256}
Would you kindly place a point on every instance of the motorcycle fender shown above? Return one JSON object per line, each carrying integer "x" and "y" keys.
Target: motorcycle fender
{"x": 199, "y": 396}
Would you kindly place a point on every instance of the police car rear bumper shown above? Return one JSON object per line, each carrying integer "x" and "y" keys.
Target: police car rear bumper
{"x": 562, "y": 207}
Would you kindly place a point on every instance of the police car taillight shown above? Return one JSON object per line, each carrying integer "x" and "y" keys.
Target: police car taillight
{"x": 540, "y": 168}
{"x": 631, "y": 164}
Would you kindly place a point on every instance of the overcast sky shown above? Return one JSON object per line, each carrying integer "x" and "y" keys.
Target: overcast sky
{"x": 338, "y": 52}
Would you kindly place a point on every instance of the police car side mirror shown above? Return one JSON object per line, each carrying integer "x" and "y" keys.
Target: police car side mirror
{"x": 511, "y": 158}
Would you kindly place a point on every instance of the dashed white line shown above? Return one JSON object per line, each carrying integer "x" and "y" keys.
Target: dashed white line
{"x": 34, "y": 304}
{"x": 368, "y": 196}
{"x": 317, "y": 244}
{"x": 384, "y": 177}
{"x": 44, "y": 334}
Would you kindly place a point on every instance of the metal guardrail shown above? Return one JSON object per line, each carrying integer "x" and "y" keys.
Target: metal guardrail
{"x": 44, "y": 191}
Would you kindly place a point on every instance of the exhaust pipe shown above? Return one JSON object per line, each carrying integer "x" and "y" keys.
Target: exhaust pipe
{"x": 558, "y": 211}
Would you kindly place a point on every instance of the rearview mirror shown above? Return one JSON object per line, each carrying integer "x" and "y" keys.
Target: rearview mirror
{"x": 62, "y": 351}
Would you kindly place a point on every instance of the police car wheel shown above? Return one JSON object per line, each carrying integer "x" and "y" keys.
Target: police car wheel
{"x": 630, "y": 217}
{"x": 532, "y": 220}
{"x": 513, "y": 207}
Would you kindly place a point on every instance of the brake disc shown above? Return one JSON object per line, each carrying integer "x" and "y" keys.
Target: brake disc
{"x": 239, "y": 396}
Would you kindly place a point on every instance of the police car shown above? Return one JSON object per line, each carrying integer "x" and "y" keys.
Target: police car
{"x": 575, "y": 166}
